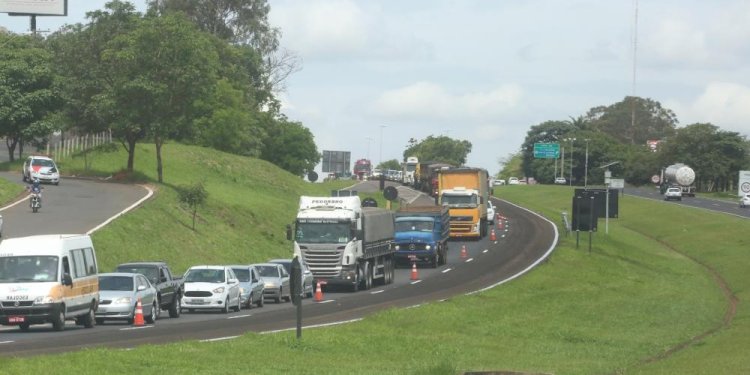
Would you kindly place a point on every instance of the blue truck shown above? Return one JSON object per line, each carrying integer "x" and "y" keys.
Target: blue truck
{"x": 421, "y": 235}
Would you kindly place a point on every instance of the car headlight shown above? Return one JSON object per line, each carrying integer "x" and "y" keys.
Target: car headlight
{"x": 428, "y": 247}
{"x": 242, "y": 290}
{"x": 218, "y": 290}
{"x": 44, "y": 300}
{"x": 397, "y": 247}
{"x": 122, "y": 301}
{"x": 270, "y": 285}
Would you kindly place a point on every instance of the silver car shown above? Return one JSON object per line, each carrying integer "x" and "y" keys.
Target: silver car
{"x": 251, "y": 285}
{"x": 276, "y": 281}
{"x": 307, "y": 277}
{"x": 119, "y": 293}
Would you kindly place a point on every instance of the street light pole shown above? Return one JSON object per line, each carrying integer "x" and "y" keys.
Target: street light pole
{"x": 570, "y": 182}
{"x": 381, "y": 145}
{"x": 586, "y": 167}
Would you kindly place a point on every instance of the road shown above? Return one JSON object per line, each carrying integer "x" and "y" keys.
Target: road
{"x": 523, "y": 241}
{"x": 731, "y": 208}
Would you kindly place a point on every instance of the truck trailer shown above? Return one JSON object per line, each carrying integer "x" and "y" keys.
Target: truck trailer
{"x": 465, "y": 191}
{"x": 422, "y": 234}
{"x": 678, "y": 175}
{"x": 344, "y": 243}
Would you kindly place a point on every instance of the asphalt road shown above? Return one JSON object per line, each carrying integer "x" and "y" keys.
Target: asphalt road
{"x": 522, "y": 242}
{"x": 731, "y": 208}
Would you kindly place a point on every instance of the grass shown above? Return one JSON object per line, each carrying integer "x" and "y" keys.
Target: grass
{"x": 637, "y": 294}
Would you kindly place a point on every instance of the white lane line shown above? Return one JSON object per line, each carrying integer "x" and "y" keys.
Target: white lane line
{"x": 469, "y": 260}
{"x": 485, "y": 250}
{"x": 133, "y": 328}
{"x": 239, "y": 316}
{"x": 416, "y": 282}
{"x": 6, "y": 342}
{"x": 220, "y": 339}
{"x": 413, "y": 306}
{"x": 447, "y": 270}
{"x": 378, "y": 291}
{"x": 503, "y": 236}
{"x": 326, "y": 301}
{"x": 16, "y": 202}
{"x": 313, "y": 326}
{"x": 123, "y": 212}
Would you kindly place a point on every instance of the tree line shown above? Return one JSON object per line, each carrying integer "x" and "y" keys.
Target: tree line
{"x": 620, "y": 133}
{"x": 201, "y": 72}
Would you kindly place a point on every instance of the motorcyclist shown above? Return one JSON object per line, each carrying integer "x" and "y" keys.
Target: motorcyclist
{"x": 36, "y": 188}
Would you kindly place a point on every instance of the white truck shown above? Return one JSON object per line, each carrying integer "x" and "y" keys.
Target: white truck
{"x": 681, "y": 176}
{"x": 344, "y": 243}
{"x": 412, "y": 162}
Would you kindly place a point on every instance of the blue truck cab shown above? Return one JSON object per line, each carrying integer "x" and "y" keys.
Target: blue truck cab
{"x": 421, "y": 235}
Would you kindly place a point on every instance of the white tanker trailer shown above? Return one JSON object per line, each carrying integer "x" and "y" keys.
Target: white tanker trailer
{"x": 678, "y": 175}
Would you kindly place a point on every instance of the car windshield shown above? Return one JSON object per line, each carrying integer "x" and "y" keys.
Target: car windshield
{"x": 268, "y": 271}
{"x": 243, "y": 274}
{"x": 287, "y": 265}
{"x": 121, "y": 283}
{"x": 151, "y": 273}
{"x": 42, "y": 163}
{"x": 26, "y": 269}
{"x": 414, "y": 225}
{"x": 205, "y": 275}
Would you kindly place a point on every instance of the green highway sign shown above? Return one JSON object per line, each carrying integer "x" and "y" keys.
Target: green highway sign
{"x": 546, "y": 150}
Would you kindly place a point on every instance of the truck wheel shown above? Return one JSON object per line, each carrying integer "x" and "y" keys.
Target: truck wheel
{"x": 435, "y": 260}
{"x": 24, "y": 326}
{"x": 99, "y": 321}
{"x": 174, "y": 307}
{"x": 368, "y": 277}
{"x": 355, "y": 285}
{"x": 89, "y": 320}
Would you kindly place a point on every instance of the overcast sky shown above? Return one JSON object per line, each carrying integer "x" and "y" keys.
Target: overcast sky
{"x": 487, "y": 70}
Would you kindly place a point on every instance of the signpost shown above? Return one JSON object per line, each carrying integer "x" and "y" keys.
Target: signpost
{"x": 296, "y": 292}
{"x": 546, "y": 150}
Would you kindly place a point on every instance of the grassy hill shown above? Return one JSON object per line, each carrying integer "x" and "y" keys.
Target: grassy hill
{"x": 650, "y": 286}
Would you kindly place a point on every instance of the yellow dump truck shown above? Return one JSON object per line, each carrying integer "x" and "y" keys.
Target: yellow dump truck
{"x": 465, "y": 191}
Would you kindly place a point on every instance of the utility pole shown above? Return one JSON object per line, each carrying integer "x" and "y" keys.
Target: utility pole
{"x": 586, "y": 167}
{"x": 381, "y": 145}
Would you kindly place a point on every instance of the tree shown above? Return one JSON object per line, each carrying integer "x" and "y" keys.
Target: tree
{"x": 193, "y": 196}
{"x": 290, "y": 146}
{"x": 166, "y": 65}
{"x": 27, "y": 96}
{"x": 441, "y": 149}
{"x": 389, "y": 164}
{"x": 652, "y": 121}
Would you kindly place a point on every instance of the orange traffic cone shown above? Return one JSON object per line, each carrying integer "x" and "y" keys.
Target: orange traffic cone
{"x": 493, "y": 237}
{"x": 138, "y": 318}
{"x": 414, "y": 275}
{"x": 463, "y": 252}
{"x": 318, "y": 293}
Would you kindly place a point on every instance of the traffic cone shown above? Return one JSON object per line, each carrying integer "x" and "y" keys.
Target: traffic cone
{"x": 463, "y": 251}
{"x": 138, "y": 318}
{"x": 318, "y": 293}
{"x": 500, "y": 224}
{"x": 493, "y": 237}
{"x": 414, "y": 275}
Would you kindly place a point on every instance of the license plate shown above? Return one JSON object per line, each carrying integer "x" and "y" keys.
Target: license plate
{"x": 196, "y": 301}
{"x": 412, "y": 257}
{"x": 16, "y": 319}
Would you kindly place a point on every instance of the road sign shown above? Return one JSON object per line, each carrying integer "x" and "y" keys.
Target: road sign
{"x": 655, "y": 179}
{"x": 617, "y": 183}
{"x": 546, "y": 150}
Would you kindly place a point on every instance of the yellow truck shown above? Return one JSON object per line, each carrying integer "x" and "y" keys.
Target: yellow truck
{"x": 466, "y": 192}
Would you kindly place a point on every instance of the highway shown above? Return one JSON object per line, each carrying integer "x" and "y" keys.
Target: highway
{"x": 727, "y": 207}
{"x": 524, "y": 240}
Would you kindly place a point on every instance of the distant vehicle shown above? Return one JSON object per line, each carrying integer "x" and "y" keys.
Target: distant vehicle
{"x": 307, "y": 277}
{"x": 744, "y": 201}
{"x": 421, "y": 234}
{"x": 211, "y": 287}
{"x": 490, "y": 213}
{"x": 466, "y": 192}
{"x": 169, "y": 288}
{"x": 678, "y": 175}
{"x": 276, "y": 281}
{"x": 376, "y": 173}
{"x": 673, "y": 193}
{"x": 513, "y": 181}
{"x": 251, "y": 285}
{"x": 41, "y": 167}
{"x": 560, "y": 181}
{"x": 362, "y": 168}
{"x": 498, "y": 182}
{"x": 409, "y": 169}
{"x": 119, "y": 293}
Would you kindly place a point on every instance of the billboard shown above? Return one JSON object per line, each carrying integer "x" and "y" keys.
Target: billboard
{"x": 37, "y": 7}
{"x": 338, "y": 162}
{"x": 743, "y": 186}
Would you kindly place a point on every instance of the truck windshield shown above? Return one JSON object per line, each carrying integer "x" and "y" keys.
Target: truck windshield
{"x": 411, "y": 167}
{"x": 120, "y": 283}
{"x": 414, "y": 226}
{"x": 151, "y": 272}
{"x": 26, "y": 269}
{"x": 460, "y": 200}
{"x": 323, "y": 232}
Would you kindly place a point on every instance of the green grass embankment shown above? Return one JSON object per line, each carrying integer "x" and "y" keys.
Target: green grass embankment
{"x": 632, "y": 298}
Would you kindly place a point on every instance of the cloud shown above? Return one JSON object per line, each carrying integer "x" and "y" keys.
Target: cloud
{"x": 724, "y": 104}
{"x": 430, "y": 100}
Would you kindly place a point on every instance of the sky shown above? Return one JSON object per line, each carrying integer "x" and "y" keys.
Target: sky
{"x": 375, "y": 74}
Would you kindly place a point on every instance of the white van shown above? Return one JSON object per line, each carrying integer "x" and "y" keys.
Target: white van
{"x": 48, "y": 279}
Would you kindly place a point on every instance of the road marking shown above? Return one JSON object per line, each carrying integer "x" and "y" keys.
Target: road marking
{"x": 378, "y": 291}
{"x": 239, "y": 316}
{"x": 416, "y": 282}
{"x": 326, "y": 301}
{"x": 123, "y": 212}
{"x": 447, "y": 270}
{"x": 469, "y": 260}
{"x": 219, "y": 339}
{"x": 6, "y": 342}
{"x": 133, "y": 328}
{"x": 503, "y": 236}
{"x": 716, "y": 204}
{"x": 413, "y": 306}
{"x": 485, "y": 250}
{"x": 312, "y": 326}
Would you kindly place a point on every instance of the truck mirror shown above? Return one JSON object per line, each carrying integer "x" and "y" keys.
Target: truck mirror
{"x": 67, "y": 280}
{"x": 288, "y": 232}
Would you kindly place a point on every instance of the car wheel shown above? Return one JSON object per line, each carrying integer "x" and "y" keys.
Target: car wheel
{"x": 58, "y": 322}
{"x": 151, "y": 318}
{"x": 239, "y": 304}
{"x": 24, "y": 326}
{"x": 250, "y": 301}
{"x": 174, "y": 308}
{"x": 99, "y": 321}
{"x": 225, "y": 310}
{"x": 278, "y": 296}
{"x": 260, "y": 301}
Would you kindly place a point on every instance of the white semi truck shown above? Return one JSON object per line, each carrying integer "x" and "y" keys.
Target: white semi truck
{"x": 344, "y": 243}
{"x": 681, "y": 176}
{"x": 412, "y": 162}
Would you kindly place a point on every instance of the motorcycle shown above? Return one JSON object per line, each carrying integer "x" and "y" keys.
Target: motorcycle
{"x": 35, "y": 202}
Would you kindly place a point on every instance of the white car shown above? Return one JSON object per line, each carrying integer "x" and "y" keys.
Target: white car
{"x": 673, "y": 193}
{"x": 744, "y": 202}
{"x": 560, "y": 181}
{"x": 490, "y": 213}
{"x": 42, "y": 168}
{"x": 513, "y": 181}
{"x": 498, "y": 182}
{"x": 211, "y": 287}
